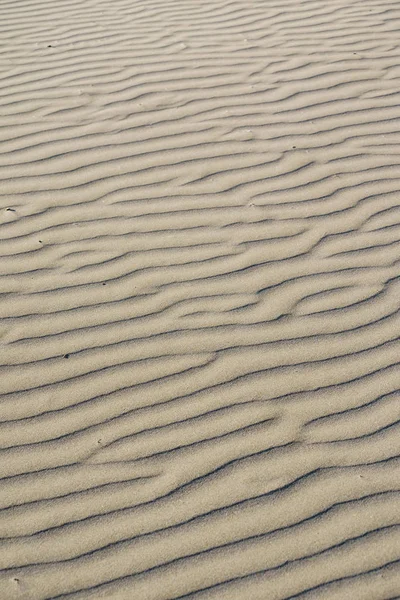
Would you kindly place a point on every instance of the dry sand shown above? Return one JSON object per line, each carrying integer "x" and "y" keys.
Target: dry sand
{"x": 199, "y": 291}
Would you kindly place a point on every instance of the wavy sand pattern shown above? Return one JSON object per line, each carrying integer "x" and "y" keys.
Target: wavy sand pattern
{"x": 200, "y": 288}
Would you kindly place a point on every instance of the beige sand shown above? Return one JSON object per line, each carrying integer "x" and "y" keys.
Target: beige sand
{"x": 199, "y": 291}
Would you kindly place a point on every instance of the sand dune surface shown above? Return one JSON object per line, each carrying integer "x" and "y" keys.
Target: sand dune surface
{"x": 199, "y": 299}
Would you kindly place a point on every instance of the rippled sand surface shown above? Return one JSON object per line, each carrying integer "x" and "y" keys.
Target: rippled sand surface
{"x": 199, "y": 292}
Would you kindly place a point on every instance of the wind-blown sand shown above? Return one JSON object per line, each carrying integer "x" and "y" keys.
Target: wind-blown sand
{"x": 199, "y": 291}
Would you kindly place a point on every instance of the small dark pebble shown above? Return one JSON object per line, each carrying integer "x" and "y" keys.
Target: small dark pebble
{"x": 103, "y": 284}
{"x": 11, "y": 209}
{"x": 66, "y": 355}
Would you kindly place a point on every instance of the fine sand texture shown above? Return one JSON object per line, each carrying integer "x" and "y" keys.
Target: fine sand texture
{"x": 199, "y": 299}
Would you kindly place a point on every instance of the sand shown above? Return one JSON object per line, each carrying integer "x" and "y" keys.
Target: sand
{"x": 199, "y": 292}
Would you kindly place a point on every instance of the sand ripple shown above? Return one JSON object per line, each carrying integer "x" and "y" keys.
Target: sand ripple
{"x": 199, "y": 290}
